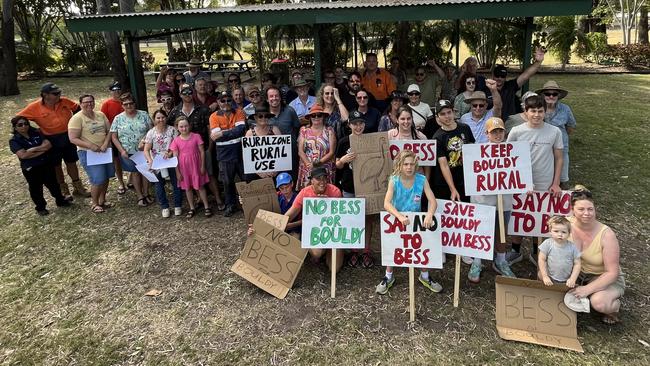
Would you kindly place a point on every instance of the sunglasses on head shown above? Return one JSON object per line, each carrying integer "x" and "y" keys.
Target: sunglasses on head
{"x": 551, "y": 94}
{"x": 479, "y": 105}
{"x": 580, "y": 194}
{"x": 362, "y": 97}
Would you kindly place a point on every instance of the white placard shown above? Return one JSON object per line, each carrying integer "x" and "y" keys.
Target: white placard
{"x": 266, "y": 154}
{"x": 467, "y": 228}
{"x": 144, "y": 170}
{"x": 530, "y": 212}
{"x": 329, "y": 223}
{"x": 159, "y": 162}
{"x": 99, "y": 158}
{"x": 138, "y": 158}
{"x": 424, "y": 149}
{"x": 503, "y": 168}
{"x": 410, "y": 246}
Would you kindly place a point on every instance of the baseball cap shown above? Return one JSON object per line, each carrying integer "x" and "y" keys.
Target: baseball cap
{"x": 500, "y": 71}
{"x": 115, "y": 86}
{"x": 282, "y": 179}
{"x": 442, "y": 104}
{"x": 413, "y": 88}
{"x": 580, "y": 305}
{"x": 318, "y": 171}
{"x": 493, "y": 123}
{"x": 223, "y": 94}
{"x": 50, "y": 88}
{"x": 355, "y": 117}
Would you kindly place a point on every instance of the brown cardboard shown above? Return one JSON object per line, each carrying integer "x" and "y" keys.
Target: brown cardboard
{"x": 274, "y": 219}
{"x": 528, "y": 311}
{"x": 258, "y": 194}
{"x": 271, "y": 258}
{"x": 371, "y": 169}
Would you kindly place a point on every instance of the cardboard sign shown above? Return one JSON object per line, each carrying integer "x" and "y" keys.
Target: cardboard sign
{"x": 271, "y": 259}
{"x": 274, "y": 219}
{"x": 467, "y": 228}
{"x": 266, "y": 154}
{"x": 531, "y": 212}
{"x": 333, "y": 223}
{"x": 497, "y": 168}
{"x": 410, "y": 246}
{"x": 258, "y": 194}
{"x": 528, "y": 311}
{"x": 424, "y": 149}
{"x": 371, "y": 169}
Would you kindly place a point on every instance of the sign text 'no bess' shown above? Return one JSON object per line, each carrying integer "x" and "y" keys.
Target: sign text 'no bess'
{"x": 411, "y": 245}
{"x": 425, "y": 150}
{"x": 497, "y": 168}
{"x": 334, "y": 223}
{"x": 266, "y": 154}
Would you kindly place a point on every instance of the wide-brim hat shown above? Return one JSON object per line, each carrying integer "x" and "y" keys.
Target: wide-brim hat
{"x": 299, "y": 82}
{"x": 580, "y": 305}
{"x": 194, "y": 62}
{"x": 397, "y": 94}
{"x": 552, "y": 85}
{"x": 316, "y": 109}
{"x": 262, "y": 108}
{"x": 477, "y": 95}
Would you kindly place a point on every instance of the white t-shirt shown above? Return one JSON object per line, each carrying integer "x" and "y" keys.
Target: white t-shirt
{"x": 424, "y": 110}
{"x": 543, "y": 141}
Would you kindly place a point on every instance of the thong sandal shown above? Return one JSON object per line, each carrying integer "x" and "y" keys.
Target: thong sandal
{"x": 208, "y": 212}
{"x": 367, "y": 261}
{"x": 106, "y": 205}
{"x": 611, "y": 319}
{"x": 190, "y": 213}
{"x": 142, "y": 202}
{"x": 97, "y": 209}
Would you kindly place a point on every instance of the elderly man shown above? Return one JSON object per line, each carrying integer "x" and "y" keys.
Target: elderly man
{"x": 303, "y": 103}
{"x": 52, "y": 113}
{"x": 202, "y": 96}
{"x": 377, "y": 81}
{"x": 194, "y": 71}
{"x": 479, "y": 112}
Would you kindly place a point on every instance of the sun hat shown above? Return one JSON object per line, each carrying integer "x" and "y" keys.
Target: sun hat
{"x": 493, "y": 123}
{"x": 195, "y": 62}
{"x": 299, "y": 82}
{"x": 477, "y": 95}
{"x": 500, "y": 71}
{"x": 552, "y": 85}
{"x": 282, "y": 179}
{"x": 262, "y": 108}
{"x": 397, "y": 94}
{"x": 579, "y": 305}
{"x": 115, "y": 86}
{"x": 316, "y": 109}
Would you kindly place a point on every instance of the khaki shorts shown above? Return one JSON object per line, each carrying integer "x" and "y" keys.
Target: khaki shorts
{"x": 619, "y": 285}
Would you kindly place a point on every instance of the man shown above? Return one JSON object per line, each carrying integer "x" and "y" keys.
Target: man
{"x": 329, "y": 78}
{"x": 52, "y": 113}
{"x": 289, "y": 94}
{"x": 369, "y": 114}
{"x": 194, "y": 71}
{"x": 349, "y": 94}
{"x": 227, "y": 127}
{"x": 303, "y": 103}
{"x": 341, "y": 76}
{"x": 421, "y": 111}
{"x": 427, "y": 85}
{"x": 479, "y": 112}
{"x": 318, "y": 188}
{"x": 111, "y": 108}
{"x": 376, "y": 81}
{"x": 255, "y": 97}
{"x": 287, "y": 121}
{"x": 399, "y": 76}
{"x": 234, "y": 82}
{"x": 202, "y": 97}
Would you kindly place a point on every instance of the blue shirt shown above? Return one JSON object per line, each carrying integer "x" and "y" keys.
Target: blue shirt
{"x": 300, "y": 108}
{"x": 408, "y": 200}
{"x": 477, "y": 127}
{"x": 562, "y": 118}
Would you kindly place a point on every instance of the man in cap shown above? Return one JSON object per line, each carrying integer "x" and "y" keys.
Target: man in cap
{"x": 421, "y": 111}
{"x": 303, "y": 103}
{"x": 111, "y": 108}
{"x": 255, "y": 98}
{"x": 479, "y": 112}
{"x": 377, "y": 81}
{"x": 194, "y": 71}
{"x": 52, "y": 113}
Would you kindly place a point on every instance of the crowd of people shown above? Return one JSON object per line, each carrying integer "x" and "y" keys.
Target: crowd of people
{"x": 202, "y": 126}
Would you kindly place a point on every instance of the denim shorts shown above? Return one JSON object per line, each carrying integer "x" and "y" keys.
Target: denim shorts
{"x": 128, "y": 165}
{"x": 97, "y": 174}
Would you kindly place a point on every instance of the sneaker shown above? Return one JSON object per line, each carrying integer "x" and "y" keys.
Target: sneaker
{"x": 385, "y": 285}
{"x": 178, "y": 211}
{"x": 503, "y": 268}
{"x": 532, "y": 259}
{"x": 165, "y": 212}
{"x": 467, "y": 260}
{"x": 428, "y": 283}
{"x": 513, "y": 257}
{"x": 474, "y": 274}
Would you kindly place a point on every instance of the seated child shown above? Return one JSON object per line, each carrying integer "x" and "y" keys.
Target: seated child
{"x": 559, "y": 258}
{"x": 286, "y": 196}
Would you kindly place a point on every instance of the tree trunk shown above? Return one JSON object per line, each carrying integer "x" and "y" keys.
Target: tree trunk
{"x": 9, "y": 69}
{"x": 128, "y": 6}
{"x": 643, "y": 25}
{"x": 114, "y": 48}
{"x": 170, "y": 49}
{"x": 401, "y": 45}
{"x": 327, "y": 48}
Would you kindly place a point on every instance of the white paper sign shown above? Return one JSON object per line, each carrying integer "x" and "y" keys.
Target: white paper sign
{"x": 266, "y": 154}
{"x": 159, "y": 162}
{"x": 497, "y": 168}
{"x": 424, "y": 149}
{"x": 467, "y": 228}
{"x": 98, "y": 158}
{"x": 138, "y": 158}
{"x": 410, "y": 246}
{"x": 144, "y": 170}
{"x": 329, "y": 223}
{"x": 530, "y": 212}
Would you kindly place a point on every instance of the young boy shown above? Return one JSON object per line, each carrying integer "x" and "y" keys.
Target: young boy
{"x": 559, "y": 258}
{"x": 286, "y": 196}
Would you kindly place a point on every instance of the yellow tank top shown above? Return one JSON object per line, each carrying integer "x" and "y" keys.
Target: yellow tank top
{"x": 591, "y": 258}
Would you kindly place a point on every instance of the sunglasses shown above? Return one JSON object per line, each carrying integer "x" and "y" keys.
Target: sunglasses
{"x": 233, "y": 80}
{"x": 419, "y": 74}
{"x": 126, "y": 104}
{"x": 355, "y": 81}
{"x": 166, "y": 99}
{"x": 481, "y": 105}
{"x": 264, "y": 115}
{"x": 328, "y": 93}
{"x": 226, "y": 100}
{"x": 88, "y": 102}
{"x": 580, "y": 194}
{"x": 413, "y": 93}
{"x": 253, "y": 95}
{"x": 362, "y": 97}
{"x": 551, "y": 94}
{"x": 317, "y": 115}
{"x": 22, "y": 124}
{"x": 470, "y": 82}
{"x": 187, "y": 92}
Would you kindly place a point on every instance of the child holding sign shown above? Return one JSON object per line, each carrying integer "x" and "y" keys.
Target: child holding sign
{"x": 404, "y": 194}
{"x": 559, "y": 258}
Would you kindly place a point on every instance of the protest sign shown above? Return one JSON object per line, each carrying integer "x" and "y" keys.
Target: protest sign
{"x": 329, "y": 223}
{"x": 266, "y": 154}
{"x": 530, "y": 212}
{"x": 424, "y": 149}
{"x": 412, "y": 245}
{"x": 497, "y": 168}
{"x": 528, "y": 311}
{"x": 371, "y": 169}
{"x": 274, "y": 219}
{"x": 466, "y": 228}
{"x": 258, "y": 194}
{"x": 271, "y": 258}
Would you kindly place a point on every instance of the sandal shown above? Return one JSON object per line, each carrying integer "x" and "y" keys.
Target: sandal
{"x": 353, "y": 261}
{"x": 149, "y": 198}
{"x": 106, "y": 205}
{"x": 208, "y": 212}
{"x": 190, "y": 213}
{"x": 142, "y": 202}
{"x": 97, "y": 209}
{"x": 367, "y": 261}
{"x": 121, "y": 190}
{"x": 130, "y": 186}
{"x": 611, "y": 319}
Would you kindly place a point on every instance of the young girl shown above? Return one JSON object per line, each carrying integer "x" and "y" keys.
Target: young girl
{"x": 404, "y": 194}
{"x": 559, "y": 258}
{"x": 191, "y": 173}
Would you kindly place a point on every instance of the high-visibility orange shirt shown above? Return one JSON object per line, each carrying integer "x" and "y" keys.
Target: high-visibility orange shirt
{"x": 380, "y": 84}
{"x": 112, "y": 108}
{"x": 220, "y": 120}
{"x": 51, "y": 121}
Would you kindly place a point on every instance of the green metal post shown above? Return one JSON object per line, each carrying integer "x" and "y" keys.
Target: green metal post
{"x": 457, "y": 43}
{"x": 528, "y": 44}
{"x": 130, "y": 65}
{"x": 317, "y": 62}
{"x": 260, "y": 55}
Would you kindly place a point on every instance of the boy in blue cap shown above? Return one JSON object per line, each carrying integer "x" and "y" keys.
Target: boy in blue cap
{"x": 286, "y": 196}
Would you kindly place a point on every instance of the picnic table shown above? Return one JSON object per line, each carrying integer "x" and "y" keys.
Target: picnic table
{"x": 230, "y": 66}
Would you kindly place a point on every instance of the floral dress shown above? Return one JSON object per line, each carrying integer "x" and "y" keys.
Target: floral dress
{"x": 316, "y": 146}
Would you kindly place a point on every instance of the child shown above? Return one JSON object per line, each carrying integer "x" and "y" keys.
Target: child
{"x": 286, "y": 196}
{"x": 559, "y": 258}
{"x": 404, "y": 194}
{"x": 496, "y": 132}
{"x": 190, "y": 172}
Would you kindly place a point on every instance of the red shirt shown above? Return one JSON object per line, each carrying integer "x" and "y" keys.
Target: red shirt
{"x": 52, "y": 121}
{"x": 112, "y": 108}
{"x": 308, "y": 192}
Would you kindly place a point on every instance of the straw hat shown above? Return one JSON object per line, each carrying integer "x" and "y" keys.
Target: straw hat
{"x": 477, "y": 95}
{"x": 551, "y": 85}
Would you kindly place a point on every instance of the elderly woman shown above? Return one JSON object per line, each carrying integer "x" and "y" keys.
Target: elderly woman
{"x": 601, "y": 277}
{"x": 469, "y": 86}
{"x": 336, "y": 113}
{"x": 89, "y": 130}
{"x": 559, "y": 115}
{"x": 38, "y": 168}
{"x": 389, "y": 119}
{"x": 127, "y": 130}
{"x": 316, "y": 146}
{"x": 519, "y": 118}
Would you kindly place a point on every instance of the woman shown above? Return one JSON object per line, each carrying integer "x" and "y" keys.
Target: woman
{"x": 519, "y": 118}
{"x": 330, "y": 101}
{"x": 166, "y": 82}
{"x": 601, "y": 277}
{"x": 157, "y": 142}
{"x": 31, "y": 149}
{"x": 405, "y": 129}
{"x": 89, "y": 130}
{"x": 469, "y": 86}
{"x": 389, "y": 119}
{"x": 316, "y": 147}
{"x": 559, "y": 115}
{"x": 262, "y": 128}
{"x": 127, "y": 130}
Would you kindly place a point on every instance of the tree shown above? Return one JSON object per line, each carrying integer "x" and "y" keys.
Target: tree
{"x": 114, "y": 47}
{"x": 628, "y": 10}
{"x": 36, "y": 21}
{"x": 9, "y": 70}
{"x": 643, "y": 25}
{"x": 562, "y": 34}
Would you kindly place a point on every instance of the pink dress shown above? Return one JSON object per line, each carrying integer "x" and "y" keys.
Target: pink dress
{"x": 189, "y": 161}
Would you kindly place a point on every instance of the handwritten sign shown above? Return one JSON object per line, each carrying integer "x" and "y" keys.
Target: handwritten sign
{"x": 412, "y": 245}
{"x": 266, "y": 154}
{"x": 258, "y": 194}
{"x": 371, "y": 169}
{"x": 530, "y": 213}
{"x": 334, "y": 223}
{"x": 497, "y": 168}
{"x": 528, "y": 311}
{"x": 467, "y": 228}
{"x": 424, "y": 149}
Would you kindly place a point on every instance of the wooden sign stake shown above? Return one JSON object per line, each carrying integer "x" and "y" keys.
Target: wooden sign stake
{"x": 412, "y": 293}
{"x": 333, "y": 270}
{"x": 502, "y": 224}
{"x": 457, "y": 282}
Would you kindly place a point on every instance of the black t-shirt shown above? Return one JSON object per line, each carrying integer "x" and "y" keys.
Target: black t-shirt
{"x": 450, "y": 145}
{"x": 344, "y": 178}
{"x": 372, "y": 120}
{"x": 199, "y": 120}
{"x": 350, "y": 101}
{"x": 508, "y": 93}
{"x": 19, "y": 142}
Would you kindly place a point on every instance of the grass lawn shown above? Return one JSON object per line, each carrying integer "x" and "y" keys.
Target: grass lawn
{"x": 72, "y": 284}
